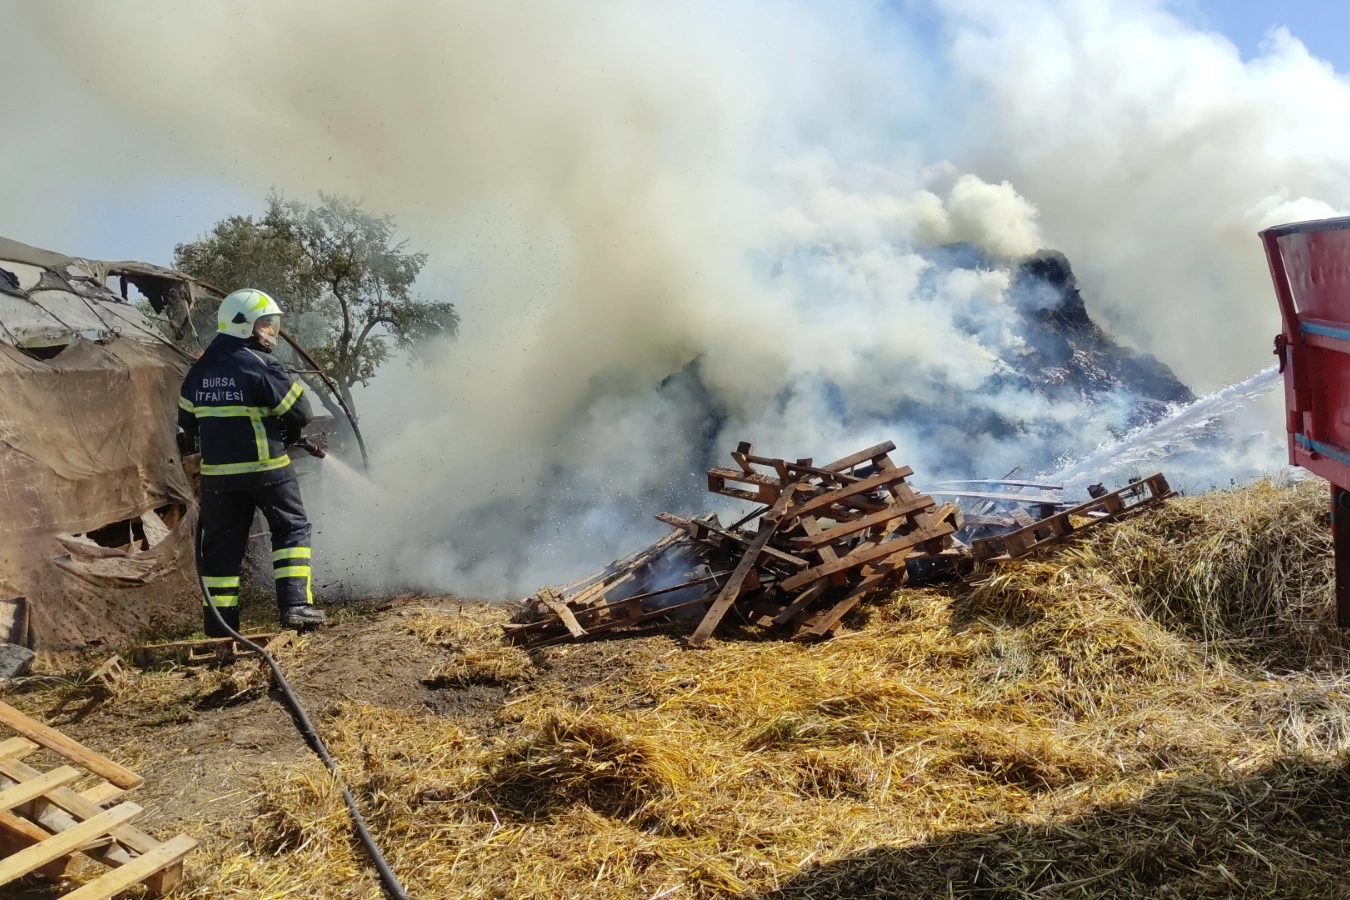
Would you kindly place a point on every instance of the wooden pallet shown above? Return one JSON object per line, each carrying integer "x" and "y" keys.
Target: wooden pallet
{"x": 209, "y": 651}
{"x": 1060, "y": 527}
{"x": 45, "y": 823}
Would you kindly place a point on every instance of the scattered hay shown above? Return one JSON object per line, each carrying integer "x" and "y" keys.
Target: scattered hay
{"x": 481, "y": 665}
{"x": 1101, "y": 722}
{"x": 581, "y": 758}
{"x": 856, "y": 773}
{"x": 477, "y": 655}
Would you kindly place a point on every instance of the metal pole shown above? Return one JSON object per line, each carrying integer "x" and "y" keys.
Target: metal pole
{"x": 1340, "y": 538}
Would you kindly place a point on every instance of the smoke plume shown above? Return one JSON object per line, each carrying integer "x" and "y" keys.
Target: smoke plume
{"x": 670, "y": 227}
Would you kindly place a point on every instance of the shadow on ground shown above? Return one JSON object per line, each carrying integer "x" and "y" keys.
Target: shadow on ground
{"x": 1283, "y": 832}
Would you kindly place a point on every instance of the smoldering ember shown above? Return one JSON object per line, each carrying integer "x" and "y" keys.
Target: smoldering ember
{"x": 681, "y": 451}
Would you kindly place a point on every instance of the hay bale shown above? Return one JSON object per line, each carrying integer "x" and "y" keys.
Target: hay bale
{"x": 1250, "y": 569}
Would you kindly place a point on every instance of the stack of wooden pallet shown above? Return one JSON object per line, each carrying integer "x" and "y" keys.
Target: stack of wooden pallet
{"x": 45, "y": 822}
{"x": 820, "y": 539}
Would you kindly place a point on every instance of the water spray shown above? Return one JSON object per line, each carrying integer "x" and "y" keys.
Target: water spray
{"x": 1151, "y": 440}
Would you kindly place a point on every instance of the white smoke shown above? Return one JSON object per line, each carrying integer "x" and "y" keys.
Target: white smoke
{"x": 1154, "y": 153}
{"x": 670, "y": 227}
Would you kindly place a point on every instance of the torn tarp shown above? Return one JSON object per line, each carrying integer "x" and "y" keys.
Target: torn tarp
{"x": 96, "y": 512}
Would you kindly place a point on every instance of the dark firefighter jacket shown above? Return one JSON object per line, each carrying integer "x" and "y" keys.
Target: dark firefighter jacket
{"x": 244, "y": 409}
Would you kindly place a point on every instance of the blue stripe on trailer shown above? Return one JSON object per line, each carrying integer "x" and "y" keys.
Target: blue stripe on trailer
{"x": 1340, "y": 334}
{"x": 1324, "y": 449}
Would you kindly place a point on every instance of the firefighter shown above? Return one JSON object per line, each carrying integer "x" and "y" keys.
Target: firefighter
{"x": 244, "y": 410}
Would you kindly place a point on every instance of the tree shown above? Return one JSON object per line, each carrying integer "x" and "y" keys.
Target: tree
{"x": 338, "y": 272}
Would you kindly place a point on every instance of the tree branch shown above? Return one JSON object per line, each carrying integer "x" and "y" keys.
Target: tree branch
{"x": 361, "y": 340}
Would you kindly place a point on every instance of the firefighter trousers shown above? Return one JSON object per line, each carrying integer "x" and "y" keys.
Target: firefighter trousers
{"x": 225, "y": 519}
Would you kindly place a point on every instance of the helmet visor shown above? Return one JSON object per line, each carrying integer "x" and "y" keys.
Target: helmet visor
{"x": 269, "y": 323}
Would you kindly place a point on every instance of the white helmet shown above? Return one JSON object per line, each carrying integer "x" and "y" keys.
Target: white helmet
{"x": 241, "y": 309}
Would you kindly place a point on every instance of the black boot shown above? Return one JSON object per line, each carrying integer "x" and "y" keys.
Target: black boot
{"x": 212, "y": 625}
{"x": 302, "y": 617}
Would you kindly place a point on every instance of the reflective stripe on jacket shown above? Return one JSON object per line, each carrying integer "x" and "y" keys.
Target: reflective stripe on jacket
{"x": 245, "y": 409}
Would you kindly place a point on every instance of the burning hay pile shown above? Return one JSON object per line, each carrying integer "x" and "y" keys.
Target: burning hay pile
{"x": 823, "y": 538}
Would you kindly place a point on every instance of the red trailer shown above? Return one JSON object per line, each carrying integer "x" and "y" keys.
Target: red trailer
{"x": 1310, "y": 267}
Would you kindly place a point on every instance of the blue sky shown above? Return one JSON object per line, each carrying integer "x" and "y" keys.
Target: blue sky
{"x": 1322, "y": 25}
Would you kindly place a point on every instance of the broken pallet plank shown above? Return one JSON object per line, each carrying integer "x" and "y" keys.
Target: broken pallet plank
{"x": 17, "y": 748}
{"x": 616, "y": 624}
{"x": 1056, "y": 529}
{"x": 127, "y": 835}
{"x": 550, "y": 598}
{"x": 1008, "y": 498}
{"x": 112, "y": 883}
{"x": 799, "y": 605}
{"x": 827, "y": 621}
{"x": 853, "y": 526}
{"x": 618, "y": 567}
{"x": 817, "y": 505}
{"x": 691, "y": 526}
{"x": 750, "y": 477}
{"x": 16, "y": 833}
{"x": 58, "y": 743}
{"x": 33, "y": 788}
{"x": 515, "y": 628}
{"x": 101, "y": 793}
{"x": 622, "y": 571}
{"x": 732, "y": 588}
{"x": 862, "y": 456}
{"x": 198, "y": 652}
{"x": 902, "y": 492}
{"x": 812, "y": 528}
{"x": 868, "y": 552}
{"x": 66, "y": 842}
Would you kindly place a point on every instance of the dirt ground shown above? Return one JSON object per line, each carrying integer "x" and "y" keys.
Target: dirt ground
{"x": 201, "y": 736}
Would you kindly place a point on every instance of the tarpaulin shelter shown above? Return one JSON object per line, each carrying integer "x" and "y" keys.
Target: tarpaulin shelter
{"x": 96, "y": 510}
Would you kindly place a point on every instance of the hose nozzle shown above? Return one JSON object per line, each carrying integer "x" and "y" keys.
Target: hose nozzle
{"x": 311, "y": 448}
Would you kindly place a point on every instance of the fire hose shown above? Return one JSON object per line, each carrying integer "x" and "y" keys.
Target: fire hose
{"x": 301, "y": 719}
{"x": 336, "y": 393}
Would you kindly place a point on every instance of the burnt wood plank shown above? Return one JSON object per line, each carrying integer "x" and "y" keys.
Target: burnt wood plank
{"x": 1059, "y": 527}
{"x": 1009, "y": 498}
{"x": 803, "y": 600}
{"x": 741, "y": 539}
{"x": 868, "y": 552}
{"x": 826, "y": 622}
{"x": 860, "y": 457}
{"x": 551, "y": 599}
{"x": 731, "y": 590}
{"x": 825, "y": 501}
{"x": 844, "y": 529}
{"x": 616, "y": 624}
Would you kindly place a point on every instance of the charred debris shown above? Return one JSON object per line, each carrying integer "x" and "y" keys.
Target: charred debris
{"x": 819, "y": 540}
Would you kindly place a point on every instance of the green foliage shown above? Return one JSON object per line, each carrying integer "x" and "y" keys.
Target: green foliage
{"x": 343, "y": 279}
